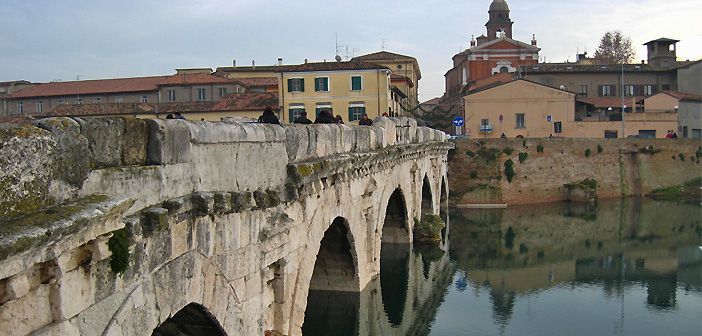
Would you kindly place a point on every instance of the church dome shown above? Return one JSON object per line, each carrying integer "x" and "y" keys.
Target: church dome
{"x": 499, "y": 5}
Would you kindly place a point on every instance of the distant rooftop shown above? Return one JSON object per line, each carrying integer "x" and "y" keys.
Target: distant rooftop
{"x": 307, "y": 67}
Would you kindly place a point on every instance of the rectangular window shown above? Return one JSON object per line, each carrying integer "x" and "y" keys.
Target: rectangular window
{"x": 356, "y": 111}
{"x": 97, "y": 100}
{"x": 294, "y": 111}
{"x": 61, "y": 102}
{"x": 485, "y": 125}
{"x": 40, "y": 107}
{"x": 557, "y": 127}
{"x": 649, "y": 89}
{"x": 628, "y": 90}
{"x": 697, "y": 133}
{"x": 323, "y": 106}
{"x": 321, "y": 84}
{"x": 20, "y": 107}
{"x": 520, "y": 121}
{"x": 607, "y": 90}
{"x": 171, "y": 95}
{"x": 356, "y": 83}
{"x": 201, "y": 95}
{"x": 222, "y": 92}
{"x": 296, "y": 85}
{"x": 119, "y": 99}
{"x": 582, "y": 90}
{"x": 144, "y": 99}
{"x": 610, "y": 134}
{"x": 684, "y": 131}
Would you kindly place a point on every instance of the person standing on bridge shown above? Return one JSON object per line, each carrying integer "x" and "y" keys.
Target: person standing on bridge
{"x": 324, "y": 117}
{"x": 302, "y": 119}
{"x": 365, "y": 121}
{"x": 268, "y": 117}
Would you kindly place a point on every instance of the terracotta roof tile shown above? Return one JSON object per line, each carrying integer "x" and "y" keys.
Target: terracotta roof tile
{"x": 684, "y": 96}
{"x": 318, "y": 66}
{"x": 116, "y": 85}
{"x": 383, "y": 56}
{"x": 609, "y": 101}
{"x": 261, "y": 81}
{"x": 250, "y": 101}
{"x": 194, "y": 78}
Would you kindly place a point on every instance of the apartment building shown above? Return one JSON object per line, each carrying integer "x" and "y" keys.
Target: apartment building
{"x": 404, "y": 81}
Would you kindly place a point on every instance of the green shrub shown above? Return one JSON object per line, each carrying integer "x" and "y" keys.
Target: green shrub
{"x": 681, "y": 156}
{"x": 473, "y": 174}
{"x": 488, "y": 154}
{"x": 540, "y": 148}
{"x": 508, "y": 150}
{"x": 470, "y": 153}
{"x": 524, "y": 143}
{"x": 119, "y": 246}
{"x": 428, "y": 230}
{"x": 599, "y": 149}
{"x": 509, "y": 238}
{"x": 587, "y": 152}
{"x": 509, "y": 170}
{"x": 523, "y": 156}
{"x": 698, "y": 153}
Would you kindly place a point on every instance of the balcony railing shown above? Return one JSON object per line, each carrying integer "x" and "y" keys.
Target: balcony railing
{"x": 486, "y": 128}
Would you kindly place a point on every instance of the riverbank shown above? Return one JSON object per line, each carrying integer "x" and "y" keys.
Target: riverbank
{"x": 528, "y": 171}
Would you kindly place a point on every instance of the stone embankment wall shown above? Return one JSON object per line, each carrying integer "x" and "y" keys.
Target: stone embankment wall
{"x": 621, "y": 167}
{"x": 112, "y": 225}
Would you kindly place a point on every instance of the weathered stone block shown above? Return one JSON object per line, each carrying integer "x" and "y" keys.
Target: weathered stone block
{"x": 242, "y": 201}
{"x": 222, "y": 202}
{"x": 389, "y": 129}
{"x": 17, "y": 286}
{"x": 100, "y": 249}
{"x": 203, "y": 203}
{"x": 74, "y": 162}
{"x": 71, "y": 294}
{"x": 169, "y": 142}
{"x": 104, "y": 140}
{"x": 154, "y": 219}
{"x": 64, "y": 328}
{"x": 27, "y": 158}
{"x": 26, "y": 314}
{"x": 134, "y": 141}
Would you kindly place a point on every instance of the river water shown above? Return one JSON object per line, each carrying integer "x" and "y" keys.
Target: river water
{"x": 624, "y": 267}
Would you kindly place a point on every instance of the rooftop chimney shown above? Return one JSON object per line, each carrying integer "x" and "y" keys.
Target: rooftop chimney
{"x": 233, "y": 63}
{"x": 305, "y": 61}
{"x": 253, "y": 63}
{"x": 472, "y": 40}
{"x": 533, "y": 39}
{"x": 280, "y": 61}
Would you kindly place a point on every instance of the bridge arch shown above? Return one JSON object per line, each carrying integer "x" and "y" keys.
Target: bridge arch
{"x": 395, "y": 226}
{"x": 427, "y": 197}
{"x": 193, "y": 319}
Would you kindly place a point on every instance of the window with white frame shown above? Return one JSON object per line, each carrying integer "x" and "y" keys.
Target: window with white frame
{"x": 61, "y": 102}
{"x": 356, "y": 83}
{"x": 171, "y": 95}
{"x": 20, "y": 107}
{"x": 222, "y": 92}
{"x": 628, "y": 90}
{"x": 144, "y": 99}
{"x": 520, "y": 121}
{"x": 648, "y": 89}
{"x": 296, "y": 85}
{"x": 485, "y": 125}
{"x": 356, "y": 110}
{"x": 321, "y": 84}
{"x": 323, "y": 106}
{"x": 40, "y": 106}
{"x": 201, "y": 94}
{"x": 607, "y": 90}
{"x": 294, "y": 111}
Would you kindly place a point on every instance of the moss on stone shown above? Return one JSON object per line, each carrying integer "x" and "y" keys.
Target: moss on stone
{"x": 687, "y": 190}
{"x": 428, "y": 230}
{"x": 119, "y": 246}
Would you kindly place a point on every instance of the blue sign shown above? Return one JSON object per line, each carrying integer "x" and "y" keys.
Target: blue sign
{"x": 458, "y": 121}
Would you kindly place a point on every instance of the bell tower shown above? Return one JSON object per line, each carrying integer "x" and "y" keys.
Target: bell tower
{"x": 499, "y": 20}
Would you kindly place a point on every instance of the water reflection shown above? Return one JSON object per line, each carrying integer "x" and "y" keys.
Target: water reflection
{"x": 631, "y": 267}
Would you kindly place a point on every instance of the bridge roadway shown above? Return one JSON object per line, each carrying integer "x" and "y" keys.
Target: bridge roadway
{"x": 127, "y": 227}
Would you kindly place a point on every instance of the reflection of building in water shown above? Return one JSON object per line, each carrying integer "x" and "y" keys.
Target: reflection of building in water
{"x": 519, "y": 250}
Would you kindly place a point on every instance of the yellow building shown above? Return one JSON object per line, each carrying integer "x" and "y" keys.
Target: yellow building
{"x": 521, "y": 108}
{"x": 405, "y": 77}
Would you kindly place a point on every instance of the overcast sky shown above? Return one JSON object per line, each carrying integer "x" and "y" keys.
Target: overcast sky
{"x": 46, "y": 40}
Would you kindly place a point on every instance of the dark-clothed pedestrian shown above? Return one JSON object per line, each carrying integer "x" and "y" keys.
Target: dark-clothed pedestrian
{"x": 179, "y": 116}
{"x": 302, "y": 119}
{"x": 324, "y": 117}
{"x": 169, "y": 116}
{"x": 268, "y": 117}
{"x": 338, "y": 119}
{"x": 365, "y": 121}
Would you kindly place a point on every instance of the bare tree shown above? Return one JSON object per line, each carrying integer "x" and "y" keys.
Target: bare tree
{"x": 615, "y": 48}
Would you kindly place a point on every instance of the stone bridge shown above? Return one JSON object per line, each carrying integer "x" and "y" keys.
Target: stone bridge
{"x": 116, "y": 226}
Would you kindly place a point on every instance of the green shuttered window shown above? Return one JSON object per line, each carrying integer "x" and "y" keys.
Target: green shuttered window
{"x": 296, "y": 85}
{"x": 356, "y": 83}
{"x": 321, "y": 84}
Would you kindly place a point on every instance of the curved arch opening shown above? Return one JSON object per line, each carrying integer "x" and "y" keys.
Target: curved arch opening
{"x": 394, "y": 258}
{"x": 192, "y": 320}
{"x": 426, "y": 198}
{"x": 333, "y": 299}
